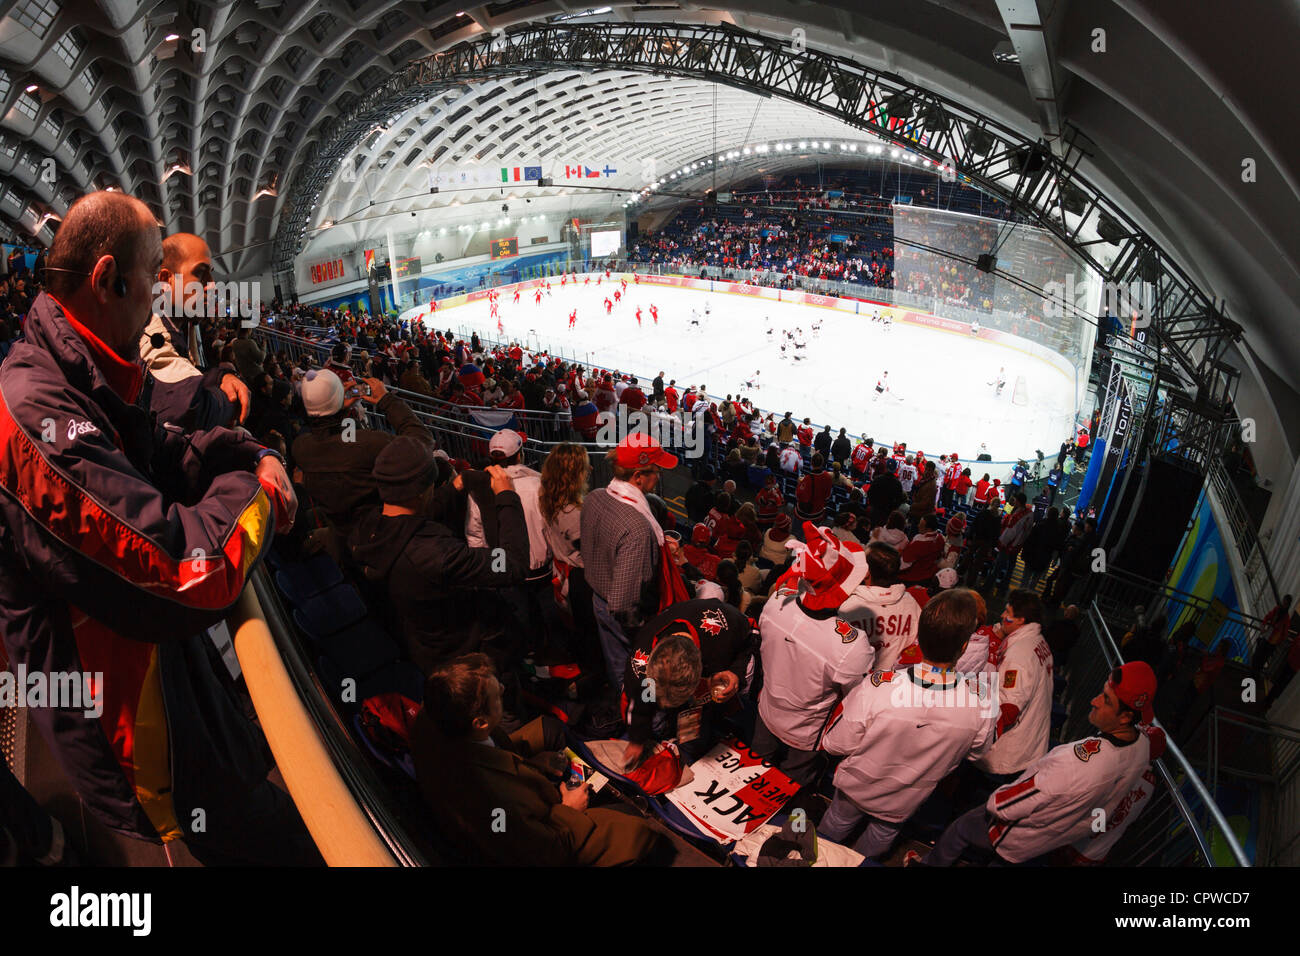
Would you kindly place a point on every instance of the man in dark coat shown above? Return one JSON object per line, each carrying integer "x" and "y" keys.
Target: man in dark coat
{"x": 430, "y": 573}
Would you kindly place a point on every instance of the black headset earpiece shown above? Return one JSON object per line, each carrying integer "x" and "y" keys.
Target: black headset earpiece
{"x": 119, "y": 286}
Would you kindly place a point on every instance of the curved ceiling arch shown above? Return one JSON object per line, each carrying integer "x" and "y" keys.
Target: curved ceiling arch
{"x": 273, "y": 74}
{"x": 1041, "y": 183}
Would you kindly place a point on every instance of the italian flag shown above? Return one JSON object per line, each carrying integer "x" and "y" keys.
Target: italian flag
{"x": 506, "y": 171}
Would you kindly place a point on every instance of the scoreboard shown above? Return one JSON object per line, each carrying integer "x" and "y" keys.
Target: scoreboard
{"x": 504, "y": 248}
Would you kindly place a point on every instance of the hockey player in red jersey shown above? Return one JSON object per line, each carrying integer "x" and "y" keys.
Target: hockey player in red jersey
{"x": 587, "y": 281}
{"x": 609, "y": 306}
{"x": 537, "y": 296}
{"x": 573, "y": 317}
{"x": 516, "y": 300}
{"x": 654, "y": 313}
{"x": 638, "y": 316}
{"x": 617, "y": 295}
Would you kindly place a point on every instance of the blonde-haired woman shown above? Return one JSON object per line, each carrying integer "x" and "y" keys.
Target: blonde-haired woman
{"x": 565, "y": 475}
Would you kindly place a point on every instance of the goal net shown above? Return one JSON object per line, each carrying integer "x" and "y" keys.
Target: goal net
{"x": 1020, "y": 395}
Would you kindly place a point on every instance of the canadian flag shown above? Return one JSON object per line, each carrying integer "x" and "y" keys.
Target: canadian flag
{"x": 571, "y": 171}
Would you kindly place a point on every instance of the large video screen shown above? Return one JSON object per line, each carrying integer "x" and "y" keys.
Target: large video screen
{"x": 605, "y": 243}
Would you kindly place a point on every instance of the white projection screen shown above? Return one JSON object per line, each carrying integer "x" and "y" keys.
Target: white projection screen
{"x": 605, "y": 243}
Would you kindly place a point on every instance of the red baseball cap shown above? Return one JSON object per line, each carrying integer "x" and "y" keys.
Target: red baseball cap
{"x": 638, "y": 450}
{"x": 1134, "y": 684}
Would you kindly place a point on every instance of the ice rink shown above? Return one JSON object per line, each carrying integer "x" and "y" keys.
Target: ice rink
{"x": 940, "y": 396}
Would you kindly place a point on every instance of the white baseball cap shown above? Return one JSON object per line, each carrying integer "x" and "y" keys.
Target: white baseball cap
{"x": 322, "y": 393}
{"x": 505, "y": 443}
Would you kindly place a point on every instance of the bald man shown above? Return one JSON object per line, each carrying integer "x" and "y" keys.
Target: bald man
{"x": 181, "y": 393}
{"x": 121, "y": 541}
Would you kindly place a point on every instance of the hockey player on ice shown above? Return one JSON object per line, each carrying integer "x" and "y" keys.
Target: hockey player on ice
{"x": 882, "y": 386}
{"x": 695, "y": 318}
{"x": 1000, "y": 381}
{"x": 975, "y": 327}
{"x": 817, "y": 328}
{"x": 654, "y": 313}
{"x": 752, "y": 381}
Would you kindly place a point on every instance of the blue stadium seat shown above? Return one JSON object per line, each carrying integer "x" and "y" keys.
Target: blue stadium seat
{"x": 329, "y": 612}
{"x": 359, "y": 651}
{"x": 301, "y": 581}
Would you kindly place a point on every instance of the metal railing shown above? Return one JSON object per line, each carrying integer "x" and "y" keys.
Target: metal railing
{"x": 1119, "y": 593}
{"x": 1180, "y": 825}
{"x": 1249, "y": 751}
{"x": 1254, "y": 560}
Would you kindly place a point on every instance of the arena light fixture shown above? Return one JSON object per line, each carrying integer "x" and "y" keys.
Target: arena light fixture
{"x": 172, "y": 37}
{"x": 853, "y": 147}
{"x": 803, "y": 144}
{"x": 33, "y": 88}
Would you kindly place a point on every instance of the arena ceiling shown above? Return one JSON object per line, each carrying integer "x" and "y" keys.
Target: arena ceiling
{"x": 1180, "y": 101}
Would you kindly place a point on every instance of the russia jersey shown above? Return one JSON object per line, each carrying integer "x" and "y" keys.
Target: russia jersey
{"x": 810, "y": 661}
{"x": 902, "y": 732}
{"x": 1052, "y": 803}
{"x": 889, "y": 617}
{"x": 1025, "y": 682}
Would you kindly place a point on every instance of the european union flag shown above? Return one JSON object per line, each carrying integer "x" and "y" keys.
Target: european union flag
{"x": 532, "y": 172}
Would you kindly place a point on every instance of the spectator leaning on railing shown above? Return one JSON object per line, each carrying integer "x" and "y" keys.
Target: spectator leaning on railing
{"x": 120, "y": 543}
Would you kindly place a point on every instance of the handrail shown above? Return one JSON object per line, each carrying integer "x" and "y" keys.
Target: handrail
{"x": 1243, "y": 531}
{"x": 343, "y": 833}
{"x": 1113, "y": 656}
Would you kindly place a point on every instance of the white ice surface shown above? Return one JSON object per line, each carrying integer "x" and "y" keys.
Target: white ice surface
{"x": 940, "y": 399}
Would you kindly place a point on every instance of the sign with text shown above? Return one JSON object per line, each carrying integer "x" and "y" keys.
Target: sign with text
{"x": 504, "y": 248}
{"x": 407, "y": 268}
{"x": 732, "y": 791}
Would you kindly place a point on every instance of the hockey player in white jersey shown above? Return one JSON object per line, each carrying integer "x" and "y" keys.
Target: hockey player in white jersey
{"x": 903, "y": 731}
{"x": 811, "y": 657}
{"x": 881, "y": 607}
{"x": 1054, "y": 803}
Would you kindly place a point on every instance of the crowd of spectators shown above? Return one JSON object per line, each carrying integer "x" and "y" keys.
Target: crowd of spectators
{"x": 810, "y": 562}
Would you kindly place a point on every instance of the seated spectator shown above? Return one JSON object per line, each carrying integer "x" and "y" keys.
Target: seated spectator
{"x": 430, "y": 573}
{"x": 699, "y": 498}
{"x": 504, "y": 799}
{"x": 891, "y": 533}
{"x": 790, "y": 460}
{"x": 751, "y": 578}
{"x": 845, "y": 522}
{"x": 769, "y": 502}
{"x": 903, "y": 731}
{"x": 774, "y": 552}
{"x": 694, "y": 655}
{"x": 922, "y": 554}
{"x": 698, "y": 552}
{"x": 954, "y": 541}
{"x": 337, "y": 454}
{"x": 747, "y": 525}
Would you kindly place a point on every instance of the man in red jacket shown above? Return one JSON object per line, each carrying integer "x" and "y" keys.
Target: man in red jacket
{"x": 633, "y": 397}
{"x": 769, "y": 502}
{"x": 920, "y": 559}
{"x": 813, "y": 490}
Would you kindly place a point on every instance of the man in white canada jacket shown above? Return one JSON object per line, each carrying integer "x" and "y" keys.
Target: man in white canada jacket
{"x": 903, "y": 731}
{"x": 811, "y": 657}
{"x": 1056, "y": 801}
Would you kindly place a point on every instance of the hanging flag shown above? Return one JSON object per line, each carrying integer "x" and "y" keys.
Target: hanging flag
{"x": 370, "y": 259}
{"x": 532, "y": 172}
{"x": 591, "y": 172}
